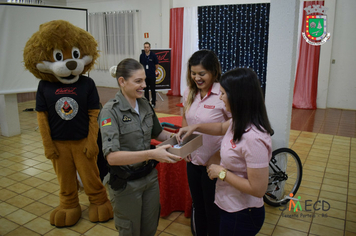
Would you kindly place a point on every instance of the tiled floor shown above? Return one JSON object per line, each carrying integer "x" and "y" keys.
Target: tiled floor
{"x": 29, "y": 188}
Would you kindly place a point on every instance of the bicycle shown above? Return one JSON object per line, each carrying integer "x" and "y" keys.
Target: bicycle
{"x": 282, "y": 181}
{"x": 285, "y": 177}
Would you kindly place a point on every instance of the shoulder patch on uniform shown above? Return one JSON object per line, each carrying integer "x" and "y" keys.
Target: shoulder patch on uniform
{"x": 125, "y": 118}
{"x": 105, "y": 122}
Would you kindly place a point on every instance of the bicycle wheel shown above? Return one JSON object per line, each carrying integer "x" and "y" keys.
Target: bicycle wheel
{"x": 285, "y": 176}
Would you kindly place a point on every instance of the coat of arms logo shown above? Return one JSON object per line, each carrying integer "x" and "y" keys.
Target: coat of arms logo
{"x": 315, "y": 25}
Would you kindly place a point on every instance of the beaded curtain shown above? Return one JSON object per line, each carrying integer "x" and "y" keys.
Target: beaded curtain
{"x": 238, "y": 34}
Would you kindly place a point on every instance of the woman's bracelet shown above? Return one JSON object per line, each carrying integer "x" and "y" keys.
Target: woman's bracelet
{"x": 172, "y": 134}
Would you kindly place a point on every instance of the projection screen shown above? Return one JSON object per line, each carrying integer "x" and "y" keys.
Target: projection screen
{"x": 17, "y": 24}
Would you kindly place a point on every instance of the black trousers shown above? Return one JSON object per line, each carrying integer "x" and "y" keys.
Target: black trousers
{"x": 206, "y": 215}
{"x": 151, "y": 85}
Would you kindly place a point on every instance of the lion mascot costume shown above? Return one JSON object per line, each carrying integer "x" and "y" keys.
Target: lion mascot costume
{"x": 67, "y": 105}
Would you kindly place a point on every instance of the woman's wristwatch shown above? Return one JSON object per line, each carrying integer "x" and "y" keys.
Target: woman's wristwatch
{"x": 222, "y": 174}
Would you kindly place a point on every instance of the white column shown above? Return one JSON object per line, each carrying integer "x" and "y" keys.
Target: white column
{"x": 9, "y": 115}
{"x": 281, "y": 63}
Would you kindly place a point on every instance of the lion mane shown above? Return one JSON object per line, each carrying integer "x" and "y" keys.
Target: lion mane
{"x": 61, "y": 35}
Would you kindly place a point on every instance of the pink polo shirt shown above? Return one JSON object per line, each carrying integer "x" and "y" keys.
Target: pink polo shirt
{"x": 207, "y": 110}
{"x": 254, "y": 150}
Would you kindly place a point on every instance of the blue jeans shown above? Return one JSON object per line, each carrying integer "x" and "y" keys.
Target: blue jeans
{"x": 246, "y": 222}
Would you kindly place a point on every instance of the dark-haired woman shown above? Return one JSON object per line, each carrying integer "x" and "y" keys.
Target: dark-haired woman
{"x": 202, "y": 105}
{"x": 246, "y": 150}
{"x": 127, "y": 124}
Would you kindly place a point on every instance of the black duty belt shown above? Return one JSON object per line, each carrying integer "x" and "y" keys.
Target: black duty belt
{"x": 142, "y": 171}
{"x": 120, "y": 176}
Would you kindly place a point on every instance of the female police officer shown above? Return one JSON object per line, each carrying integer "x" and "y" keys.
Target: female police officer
{"x": 127, "y": 124}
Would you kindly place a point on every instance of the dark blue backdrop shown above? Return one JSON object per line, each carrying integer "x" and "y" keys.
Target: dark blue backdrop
{"x": 238, "y": 34}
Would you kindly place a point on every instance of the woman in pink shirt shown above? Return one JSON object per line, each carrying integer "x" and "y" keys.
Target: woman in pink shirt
{"x": 246, "y": 150}
{"x": 202, "y": 105}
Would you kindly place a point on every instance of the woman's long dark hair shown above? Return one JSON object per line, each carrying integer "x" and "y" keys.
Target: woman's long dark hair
{"x": 246, "y": 101}
{"x": 210, "y": 62}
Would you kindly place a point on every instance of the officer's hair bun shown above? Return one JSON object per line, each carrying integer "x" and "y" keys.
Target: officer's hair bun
{"x": 113, "y": 71}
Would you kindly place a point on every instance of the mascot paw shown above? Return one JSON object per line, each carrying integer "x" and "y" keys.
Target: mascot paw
{"x": 100, "y": 213}
{"x": 51, "y": 155}
{"x": 91, "y": 152}
{"x": 65, "y": 217}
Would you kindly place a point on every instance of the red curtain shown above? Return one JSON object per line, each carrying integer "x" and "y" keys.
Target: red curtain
{"x": 306, "y": 80}
{"x": 175, "y": 43}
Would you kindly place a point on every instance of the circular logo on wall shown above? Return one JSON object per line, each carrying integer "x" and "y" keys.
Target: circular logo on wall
{"x": 161, "y": 74}
{"x": 66, "y": 108}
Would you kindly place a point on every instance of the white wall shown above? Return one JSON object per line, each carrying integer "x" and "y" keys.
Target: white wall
{"x": 342, "y": 84}
{"x": 154, "y": 16}
{"x": 56, "y": 2}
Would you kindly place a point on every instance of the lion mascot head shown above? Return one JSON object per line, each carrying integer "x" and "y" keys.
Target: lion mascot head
{"x": 60, "y": 52}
